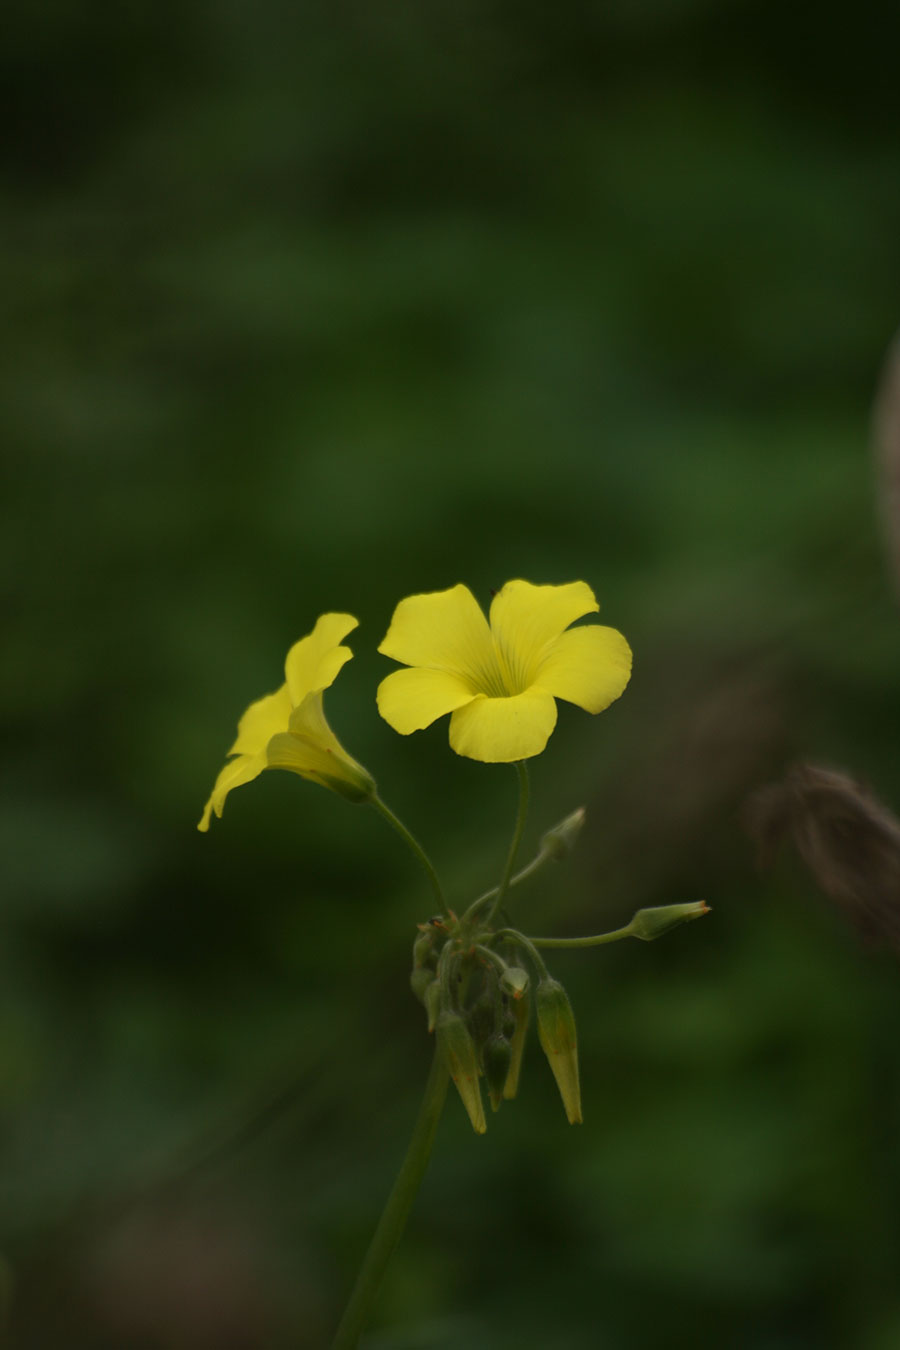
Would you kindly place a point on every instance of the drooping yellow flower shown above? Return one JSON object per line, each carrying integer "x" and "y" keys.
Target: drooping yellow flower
{"x": 288, "y": 730}
{"x": 499, "y": 681}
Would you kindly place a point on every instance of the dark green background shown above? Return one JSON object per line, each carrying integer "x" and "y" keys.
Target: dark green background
{"x": 313, "y": 307}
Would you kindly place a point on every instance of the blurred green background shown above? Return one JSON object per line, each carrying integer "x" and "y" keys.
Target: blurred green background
{"x": 312, "y": 307}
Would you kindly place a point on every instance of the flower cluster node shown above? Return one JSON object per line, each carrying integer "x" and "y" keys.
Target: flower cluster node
{"x": 477, "y": 997}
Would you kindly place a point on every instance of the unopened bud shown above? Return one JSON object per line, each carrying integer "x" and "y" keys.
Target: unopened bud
{"x": 419, "y": 980}
{"x": 520, "y": 1010}
{"x": 556, "y": 1031}
{"x": 458, "y": 1050}
{"x": 559, "y": 842}
{"x": 482, "y": 1015}
{"x": 514, "y": 981}
{"x": 648, "y": 924}
{"x": 496, "y": 1054}
{"x": 432, "y": 1001}
{"x": 424, "y": 945}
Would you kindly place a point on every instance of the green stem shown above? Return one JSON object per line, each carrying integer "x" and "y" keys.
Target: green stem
{"x": 597, "y": 941}
{"x": 396, "y": 1211}
{"x": 413, "y": 845}
{"x": 521, "y": 814}
{"x": 513, "y": 935}
{"x": 494, "y": 957}
{"x": 537, "y": 862}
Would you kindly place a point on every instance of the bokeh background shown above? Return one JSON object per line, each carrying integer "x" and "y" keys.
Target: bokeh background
{"x": 312, "y": 307}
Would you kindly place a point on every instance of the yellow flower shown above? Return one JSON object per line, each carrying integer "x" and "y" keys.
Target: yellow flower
{"x": 500, "y": 682}
{"x": 288, "y": 730}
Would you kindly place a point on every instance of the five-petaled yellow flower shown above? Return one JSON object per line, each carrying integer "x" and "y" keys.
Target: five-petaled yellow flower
{"x": 499, "y": 681}
{"x": 288, "y": 730}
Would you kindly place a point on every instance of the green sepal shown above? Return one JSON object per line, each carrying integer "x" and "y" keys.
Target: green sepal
{"x": 521, "y": 1009}
{"x": 424, "y": 946}
{"x": 419, "y": 981}
{"x": 496, "y": 1055}
{"x": 481, "y": 1017}
{"x": 432, "y": 1001}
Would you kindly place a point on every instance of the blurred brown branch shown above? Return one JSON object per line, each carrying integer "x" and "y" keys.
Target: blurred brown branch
{"x": 847, "y": 838}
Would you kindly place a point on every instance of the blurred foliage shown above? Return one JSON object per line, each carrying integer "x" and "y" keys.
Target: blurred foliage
{"x": 313, "y": 307}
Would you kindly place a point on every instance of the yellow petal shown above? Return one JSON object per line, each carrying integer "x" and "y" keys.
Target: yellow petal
{"x": 412, "y": 699}
{"x": 308, "y": 719}
{"x": 445, "y": 630}
{"x": 329, "y": 766}
{"x": 261, "y": 721}
{"x": 312, "y": 750}
{"x": 299, "y": 755}
{"x": 524, "y": 618}
{"x": 237, "y": 771}
{"x": 313, "y": 662}
{"x": 501, "y": 730}
{"x": 589, "y": 666}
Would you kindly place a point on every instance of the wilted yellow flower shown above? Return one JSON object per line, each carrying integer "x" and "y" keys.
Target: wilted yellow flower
{"x": 499, "y": 680}
{"x": 288, "y": 730}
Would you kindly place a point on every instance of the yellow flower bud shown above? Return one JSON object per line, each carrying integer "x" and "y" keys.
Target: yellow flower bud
{"x": 556, "y": 1031}
{"x": 458, "y": 1050}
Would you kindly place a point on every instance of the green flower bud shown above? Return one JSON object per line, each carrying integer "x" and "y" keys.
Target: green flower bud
{"x": 424, "y": 946}
{"x": 514, "y": 981}
{"x": 496, "y": 1054}
{"x": 482, "y": 1016}
{"x": 648, "y": 924}
{"x": 462, "y": 1064}
{"x": 556, "y": 1031}
{"x": 520, "y": 1011}
{"x": 432, "y": 1001}
{"x": 419, "y": 981}
{"x": 559, "y": 842}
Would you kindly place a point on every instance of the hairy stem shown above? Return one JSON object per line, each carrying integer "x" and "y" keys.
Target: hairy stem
{"x": 396, "y": 1211}
{"x": 521, "y": 815}
{"x": 414, "y": 846}
{"x": 597, "y": 940}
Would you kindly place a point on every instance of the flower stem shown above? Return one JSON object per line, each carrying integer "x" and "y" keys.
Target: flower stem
{"x": 413, "y": 845}
{"x": 537, "y": 862}
{"x": 596, "y": 941}
{"x": 396, "y": 1211}
{"x": 521, "y": 814}
{"x": 513, "y": 935}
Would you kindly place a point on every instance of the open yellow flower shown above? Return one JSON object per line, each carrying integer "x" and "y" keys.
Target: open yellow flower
{"x": 499, "y": 681}
{"x": 288, "y": 730}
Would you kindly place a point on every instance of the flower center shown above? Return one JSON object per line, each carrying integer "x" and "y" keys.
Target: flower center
{"x": 513, "y": 677}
